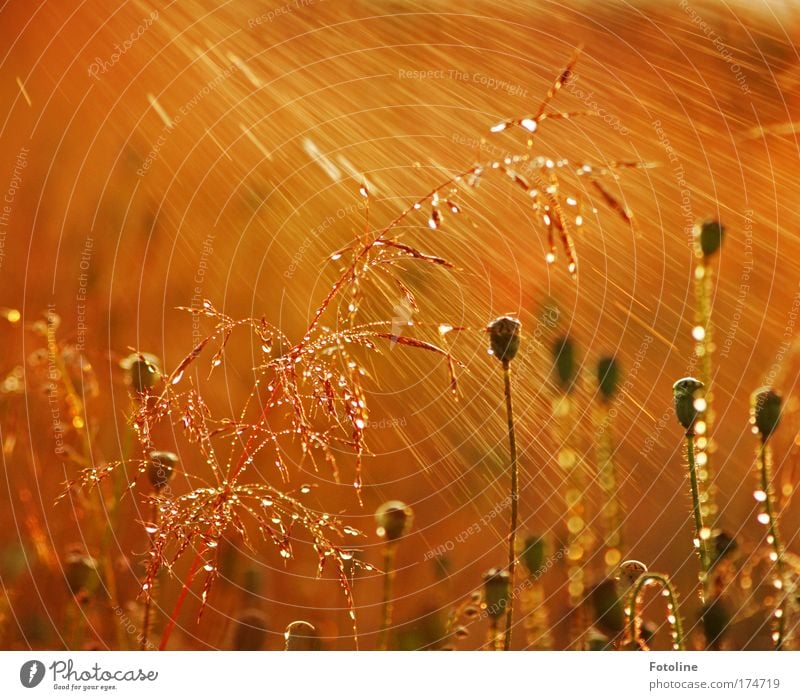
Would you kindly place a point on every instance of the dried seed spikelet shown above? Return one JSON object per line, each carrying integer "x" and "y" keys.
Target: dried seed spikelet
{"x": 496, "y": 591}
{"x": 708, "y": 237}
{"x": 765, "y": 411}
{"x": 301, "y": 636}
{"x": 533, "y": 554}
{"x": 564, "y": 362}
{"x": 161, "y": 468}
{"x": 607, "y": 377}
{"x": 143, "y": 371}
{"x": 504, "y": 337}
{"x": 684, "y": 391}
{"x": 251, "y": 631}
{"x": 80, "y": 572}
{"x": 394, "y": 518}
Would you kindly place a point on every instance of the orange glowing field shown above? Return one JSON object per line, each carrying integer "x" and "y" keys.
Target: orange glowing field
{"x": 248, "y": 258}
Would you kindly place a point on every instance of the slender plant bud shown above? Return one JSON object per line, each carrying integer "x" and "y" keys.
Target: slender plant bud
{"x": 608, "y": 377}
{"x": 143, "y": 371}
{"x": 630, "y": 571}
{"x": 684, "y": 391}
{"x": 597, "y": 641}
{"x": 564, "y": 362}
{"x": 504, "y": 338}
{"x": 708, "y": 237}
{"x": 533, "y": 554}
{"x": 251, "y": 631}
{"x": 716, "y": 617}
{"x": 80, "y": 571}
{"x": 609, "y": 612}
{"x": 496, "y": 592}
{"x": 765, "y": 411}
{"x": 723, "y": 544}
{"x": 161, "y": 468}
{"x": 394, "y": 518}
{"x": 301, "y": 636}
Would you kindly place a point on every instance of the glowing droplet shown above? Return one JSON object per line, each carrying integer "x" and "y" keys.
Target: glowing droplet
{"x": 177, "y": 378}
{"x": 698, "y": 333}
{"x": 529, "y": 124}
{"x": 497, "y": 128}
{"x": 763, "y": 518}
{"x": 760, "y": 496}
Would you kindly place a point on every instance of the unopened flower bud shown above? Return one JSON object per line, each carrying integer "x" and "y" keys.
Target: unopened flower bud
{"x": 684, "y": 391}
{"x": 504, "y": 337}
{"x": 765, "y": 411}
{"x": 393, "y": 518}
{"x": 161, "y": 468}
{"x": 496, "y": 592}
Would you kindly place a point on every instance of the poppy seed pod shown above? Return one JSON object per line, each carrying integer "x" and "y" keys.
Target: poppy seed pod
{"x": 251, "y": 631}
{"x": 496, "y": 592}
{"x": 684, "y": 391}
{"x": 564, "y": 362}
{"x": 607, "y": 377}
{"x": 143, "y": 372}
{"x": 504, "y": 337}
{"x": 393, "y": 518}
{"x": 716, "y": 617}
{"x": 609, "y": 611}
{"x": 80, "y": 571}
{"x": 160, "y": 469}
{"x": 301, "y": 636}
{"x": 709, "y": 236}
{"x": 533, "y": 554}
{"x": 765, "y": 411}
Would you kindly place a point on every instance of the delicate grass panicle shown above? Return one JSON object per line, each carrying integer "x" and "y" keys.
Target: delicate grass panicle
{"x": 765, "y": 415}
{"x": 504, "y": 340}
{"x": 394, "y": 519}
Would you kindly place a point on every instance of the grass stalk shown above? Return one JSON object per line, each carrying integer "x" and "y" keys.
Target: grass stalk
{"x": 701, "y": 533}
{"x": 389, "y": 552}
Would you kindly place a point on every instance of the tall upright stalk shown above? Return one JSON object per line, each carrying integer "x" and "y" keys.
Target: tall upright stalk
{"x": 765, "y": 410}
{"x": 685, "y": 393}
{"x": 393, "y": 519}
{"x": 512, "y": 528}
{"x": 504, "y": 339}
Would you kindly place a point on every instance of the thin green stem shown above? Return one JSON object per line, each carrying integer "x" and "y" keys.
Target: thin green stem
{"x": 764, "y": 460}
{"x": 512, "y": 530}
{"x": 673, "y": 618}
{"x": 388, "y": 604}
{"x": 702, "y": 542}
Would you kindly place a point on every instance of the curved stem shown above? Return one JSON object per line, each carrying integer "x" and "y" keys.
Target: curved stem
{"x": 702, "y": 543}
{"x": 512, "y": 530}
{"x": 674, "y": 618}
{"x": 764, "y": 460}
{"x": 388, "y": 584}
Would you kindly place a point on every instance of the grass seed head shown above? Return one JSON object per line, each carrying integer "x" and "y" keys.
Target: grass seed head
{"x": 394, "y": 518}
{"x": 684, "y": 391}
{"x": 496, "y": 592}
{"x": 504, "y": 337}
{"x": 708, "y": 236}
{"x": 161, "y": 467}
{"x": 608, "y": 377}
{"x": 765, "y": 411}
